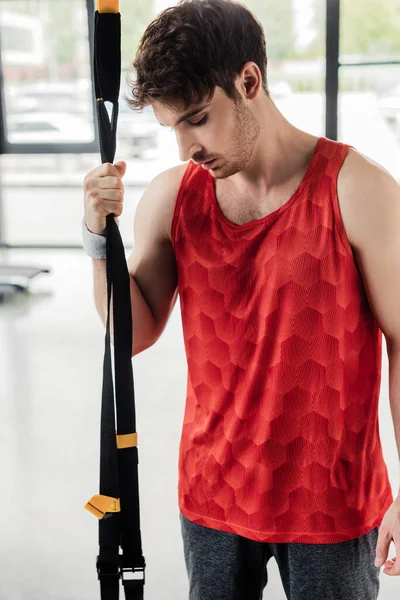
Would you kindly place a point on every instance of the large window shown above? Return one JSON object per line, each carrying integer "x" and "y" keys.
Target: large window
{"x": 49, "y": 111}
{"x": 47, "y": 77}
{"x": 295, "y": 34}
{"x": 48, "y": 100}
{"x": 47, "y": 108}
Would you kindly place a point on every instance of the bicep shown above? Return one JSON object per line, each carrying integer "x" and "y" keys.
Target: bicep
{"x": 154, "y": 271}
{"x": 152, "y": 262}
{"x": 372, "y": 213}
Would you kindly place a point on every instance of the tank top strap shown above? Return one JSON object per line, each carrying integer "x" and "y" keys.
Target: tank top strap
{"x": 193, "y": 189}
{"x": 330, "y": 161}
{"x": 327, "y": 163}
{"x": 333, "y": 154}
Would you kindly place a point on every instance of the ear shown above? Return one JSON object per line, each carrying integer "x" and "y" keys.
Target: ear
{"x": 250, "y": 81}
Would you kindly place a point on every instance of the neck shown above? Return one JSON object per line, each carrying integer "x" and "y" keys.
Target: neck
{"x": 280, "y": 153}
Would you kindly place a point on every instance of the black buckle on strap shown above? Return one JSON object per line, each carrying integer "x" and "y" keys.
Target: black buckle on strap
{"x": 107, "y": 570}
{"x": 129, "y": 578}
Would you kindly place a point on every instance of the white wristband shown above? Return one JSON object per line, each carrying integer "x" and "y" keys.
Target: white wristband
{"x": 93, "y": 243}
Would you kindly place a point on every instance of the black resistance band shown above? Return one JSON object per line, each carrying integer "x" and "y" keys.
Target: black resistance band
{"x": 117, "y": 505}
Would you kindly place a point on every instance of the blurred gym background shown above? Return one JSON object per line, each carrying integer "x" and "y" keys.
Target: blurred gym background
{"x": 334, "y": 70}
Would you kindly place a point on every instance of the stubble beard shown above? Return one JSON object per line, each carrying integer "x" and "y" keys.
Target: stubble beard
{"x": 243, "y": 142}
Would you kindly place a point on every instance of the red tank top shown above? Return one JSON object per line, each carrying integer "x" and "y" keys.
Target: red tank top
{"x": 280, "y": 439}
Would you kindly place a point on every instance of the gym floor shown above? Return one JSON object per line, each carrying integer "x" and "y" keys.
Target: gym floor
{"x": 51, "y": 349}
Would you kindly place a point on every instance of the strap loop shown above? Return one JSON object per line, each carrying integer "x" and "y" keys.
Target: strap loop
{"x": 129, "y": 440}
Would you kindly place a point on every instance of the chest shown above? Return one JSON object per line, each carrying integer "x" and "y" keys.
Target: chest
{"x": 243, "y": 207}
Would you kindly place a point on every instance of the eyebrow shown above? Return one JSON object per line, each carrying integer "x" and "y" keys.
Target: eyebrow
{"x": 189, "y": 114}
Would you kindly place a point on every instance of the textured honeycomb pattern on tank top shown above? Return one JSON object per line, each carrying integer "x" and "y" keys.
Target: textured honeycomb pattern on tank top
{"x": 280, "y": 438}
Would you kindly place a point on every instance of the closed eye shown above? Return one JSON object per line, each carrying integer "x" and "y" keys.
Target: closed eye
{"x": 202, "y": 121}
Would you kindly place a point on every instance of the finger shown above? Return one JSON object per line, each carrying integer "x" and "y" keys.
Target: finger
{"x": 114, "y": 208}
{"x": 106, "y": 205}
{"x": 382, "y": 547}
{"x": 106, "y": 169}
{"x": 116, "y": 195}
{"x": 109, "y": 183}
{"x": 121, "y": 166}
{"x": 392, "y": 569}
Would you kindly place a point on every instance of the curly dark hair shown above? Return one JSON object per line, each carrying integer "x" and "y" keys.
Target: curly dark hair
{"x": 191, "y": 48}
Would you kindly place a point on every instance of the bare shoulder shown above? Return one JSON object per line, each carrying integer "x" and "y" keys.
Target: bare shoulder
{"x": 158, "y": 201}
{"x": 366, "y": 191}
{"x": 152, "y": 256}
{"x": 356, "y": 165}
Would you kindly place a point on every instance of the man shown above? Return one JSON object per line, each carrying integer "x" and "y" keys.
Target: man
{"x": 284, "y": 249}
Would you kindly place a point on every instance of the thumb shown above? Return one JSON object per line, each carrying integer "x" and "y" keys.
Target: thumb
{"x": 121, "y": 166}
{"x": 382, "y": 549}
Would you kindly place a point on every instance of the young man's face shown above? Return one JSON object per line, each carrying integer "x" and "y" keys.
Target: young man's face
{"x": 220, "y": 131}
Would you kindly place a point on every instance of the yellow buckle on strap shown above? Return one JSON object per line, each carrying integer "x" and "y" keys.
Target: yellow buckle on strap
{"x": 100, "y": 505}
{"x": 129, "y": 440}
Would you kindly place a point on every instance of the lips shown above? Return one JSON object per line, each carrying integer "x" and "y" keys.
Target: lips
{"x": 208, "y": 165}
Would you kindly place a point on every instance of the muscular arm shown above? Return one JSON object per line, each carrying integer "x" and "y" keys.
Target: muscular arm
{"x": 370, "y": 205}
{"x": 152, "y": 261}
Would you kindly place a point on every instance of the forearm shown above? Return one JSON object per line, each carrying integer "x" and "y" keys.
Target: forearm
{"x": 394, "y": 391}
{"x": 143, "y": 324}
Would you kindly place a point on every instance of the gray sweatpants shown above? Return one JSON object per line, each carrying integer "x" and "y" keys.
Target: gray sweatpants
{"x": 226, "y": 566}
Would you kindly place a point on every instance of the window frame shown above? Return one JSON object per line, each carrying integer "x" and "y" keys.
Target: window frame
{"x": 333, "y": 65}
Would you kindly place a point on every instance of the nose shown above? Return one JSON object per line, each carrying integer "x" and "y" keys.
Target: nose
{"x": 187, "y": 146}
